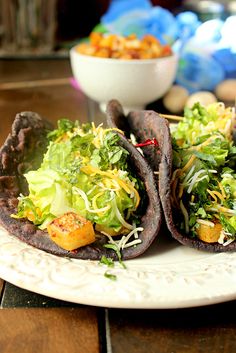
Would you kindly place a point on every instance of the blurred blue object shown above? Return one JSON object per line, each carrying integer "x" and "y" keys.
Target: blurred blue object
{"x": 209, "y": 31}
{"x": 132, "y": 22}
{"x": 188, "y": 23}
{"x": 227, "y": 59}
{"x": 198, "y": 71}
{"x": 140, "y": 17}
{"x": 162, "y": 24}
{"x": 118, "y": 8}
{"x": 228, "y": 33}
{"x": 209, "y": 56}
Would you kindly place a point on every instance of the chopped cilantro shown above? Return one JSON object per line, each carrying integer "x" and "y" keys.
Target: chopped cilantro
{"x": 117, "y": 251}
{"x": 228, "y": 227}
{"x": 110, "y": 276}
{"x": 107, "y": 261}
{"x": 63, "y": 126}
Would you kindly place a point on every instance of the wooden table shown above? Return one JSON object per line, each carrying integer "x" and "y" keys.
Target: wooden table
{"x": 33, "y": 323}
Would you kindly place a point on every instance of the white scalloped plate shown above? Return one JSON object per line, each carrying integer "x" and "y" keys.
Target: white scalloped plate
{"x": 168, "y": 276}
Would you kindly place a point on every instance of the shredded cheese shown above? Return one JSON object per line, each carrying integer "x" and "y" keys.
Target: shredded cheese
{"x": 128, "y": 187}
{"x": 227, "y": 242}
{"x": 196, "y": 179}
{"x": 186, "y": 216}
{"x": 188, "y": 175}
{"x": 188, "y": 164}
{"x": 219, "y": 195}
{"x": 87, "y": 203}
{"x": 119, "y": 216}
{"x": 125, "y": 242}
{"x": 226, "y": 210}
{"x": 222, "y": 190}
{"x": 212, "y": 195}
{"x": 205, "y": 222}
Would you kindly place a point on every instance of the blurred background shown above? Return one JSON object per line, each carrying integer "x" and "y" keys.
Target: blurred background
{"x": 49, "y": 27}
{"x": 202, "y": 33}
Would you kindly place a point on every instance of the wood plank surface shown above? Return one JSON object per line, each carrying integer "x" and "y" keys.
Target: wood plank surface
{"x": 1, "y": 287}
{"x": 53, "y": 102}
{"x": 16, "y": 297}
{"x": 49, "y": 330}
{"x": 21, "y": 70}
{"x": 194, "y": 330}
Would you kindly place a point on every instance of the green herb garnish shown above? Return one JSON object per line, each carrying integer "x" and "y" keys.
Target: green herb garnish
{"x": 117, "y": 251}
{"x": 107, "y": 261}
{"x": 110, "y": 276}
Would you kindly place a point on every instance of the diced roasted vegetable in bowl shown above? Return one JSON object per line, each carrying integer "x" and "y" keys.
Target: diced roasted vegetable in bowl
{"x": 136, "y": 72}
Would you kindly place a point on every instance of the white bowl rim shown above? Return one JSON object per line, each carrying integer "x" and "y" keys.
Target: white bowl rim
{"x": 73, "y": 50}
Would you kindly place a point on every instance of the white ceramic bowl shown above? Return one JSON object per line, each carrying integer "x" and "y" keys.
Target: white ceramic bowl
{"x": 134, "y": 83}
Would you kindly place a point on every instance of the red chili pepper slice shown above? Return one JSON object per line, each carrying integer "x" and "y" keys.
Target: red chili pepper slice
{"x": 147, "y": 143}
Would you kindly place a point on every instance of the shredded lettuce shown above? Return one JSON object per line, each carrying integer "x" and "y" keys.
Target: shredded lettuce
{"x": 200, "y": 122}
{"x": 204, "y": 177}
{"x": 84, "y": 170}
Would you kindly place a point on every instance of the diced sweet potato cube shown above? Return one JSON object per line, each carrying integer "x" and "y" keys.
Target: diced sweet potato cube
{"x": 106, "y": 42}
{"x": 102, "y": 53}
{"x": 95, "y": 38}
{"x": 166, "y": 50}
{"x": 71, "y": 231}
{"x": 148, "y": 38}
{"x": 209, "y": 234}
{"x": 145, "y": 54}
{"x": 132, "y": 36}
{"x": 133, "y": 44}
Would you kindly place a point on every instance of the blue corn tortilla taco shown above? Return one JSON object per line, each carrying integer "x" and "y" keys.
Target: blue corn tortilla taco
{"x": 200, "y": 210}
{"x": 78, "y": 191}
{"x": 195, "y": 168}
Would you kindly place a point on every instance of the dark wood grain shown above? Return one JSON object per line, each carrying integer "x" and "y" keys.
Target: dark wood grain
{"x": 194, "y": 330}
{"x": 1, "y": 287}
{"x": 53, "y": 102}
{"x": 16, "y": 297}
{"x": 22, "y": 70}
{"x": 49, "y": 330}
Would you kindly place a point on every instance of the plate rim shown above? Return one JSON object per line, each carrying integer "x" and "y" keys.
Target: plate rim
{"x": 140, "y": 286}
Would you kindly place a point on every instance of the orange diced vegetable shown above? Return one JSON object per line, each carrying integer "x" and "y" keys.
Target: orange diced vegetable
{"x": 166, "y": 50}
{"x": 95, "y": 38}
{"x": 106, "y": 42}
{"x": 148, "y": 38}
{"x": 120, "y": 47}
{"x": 71, "y": 231}
{"x": 209, "y": 234}
{"x": 103, "y": 53}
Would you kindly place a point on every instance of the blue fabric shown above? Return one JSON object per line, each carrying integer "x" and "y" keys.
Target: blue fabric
{"x": 118, "y": 8}
{"x": 187, "y": 24}
{"x": 198, "y": 72}
{"x": 227, "y": 60}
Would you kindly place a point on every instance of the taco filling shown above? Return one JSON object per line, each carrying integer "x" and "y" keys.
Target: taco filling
{"x": 79, "y": 191}
{"x": 203, "y": 183}
{"x": 83, "y": 182}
